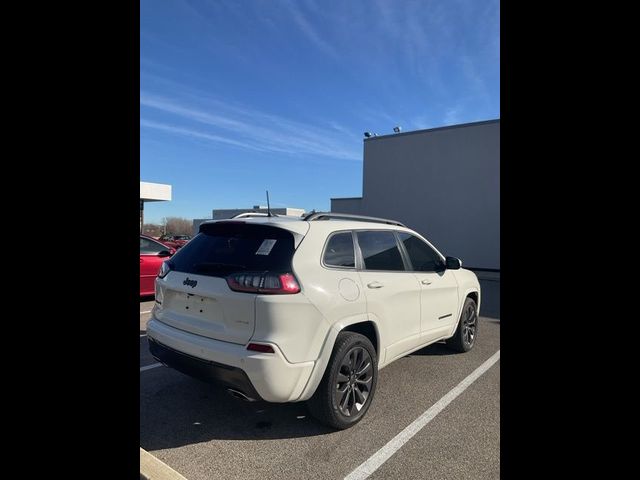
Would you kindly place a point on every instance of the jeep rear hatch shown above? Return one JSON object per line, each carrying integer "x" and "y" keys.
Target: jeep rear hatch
{"x": 197, "y": 294}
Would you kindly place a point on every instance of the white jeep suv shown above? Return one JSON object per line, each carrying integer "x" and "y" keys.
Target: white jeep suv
{"x": 292, "y": 309}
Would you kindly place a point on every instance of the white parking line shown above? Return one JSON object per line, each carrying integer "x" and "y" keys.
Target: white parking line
{"x": 152, "y": 467}
{"x": 146, "y": 311}
{"x": 143, "y": 335}
{"x": 149, "y": 367}
{"x": 377, "y": 459}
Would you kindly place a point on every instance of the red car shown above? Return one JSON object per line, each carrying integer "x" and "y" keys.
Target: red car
{"x": 174, "y": 241}
{"x": 152, "y": 254}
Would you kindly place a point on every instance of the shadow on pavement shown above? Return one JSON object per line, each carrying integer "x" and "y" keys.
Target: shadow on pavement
{"x": 440, "y": 348}
{"x": 177, "y": 410}
{"x": 434, "y": 349}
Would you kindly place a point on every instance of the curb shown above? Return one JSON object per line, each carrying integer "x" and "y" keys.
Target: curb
{"x": 153, "y": 469}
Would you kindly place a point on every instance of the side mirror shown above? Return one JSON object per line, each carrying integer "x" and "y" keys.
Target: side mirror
{"x": 453, "y": 263}
{"x": 164, "y": 253}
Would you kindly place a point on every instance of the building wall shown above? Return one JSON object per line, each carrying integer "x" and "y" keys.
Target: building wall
{"x": 347, "y": 205}
{"x": 443, "y": 183}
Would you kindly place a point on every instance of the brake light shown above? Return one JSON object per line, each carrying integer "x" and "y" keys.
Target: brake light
{"x": 256, "y": 347}
{"x": 263, "y": 282}
{"x": 289, "y": 283}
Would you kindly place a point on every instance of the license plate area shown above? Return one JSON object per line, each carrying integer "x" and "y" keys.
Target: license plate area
{"x": 200, "y": 306}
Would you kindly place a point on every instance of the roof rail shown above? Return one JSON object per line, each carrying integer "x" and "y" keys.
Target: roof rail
{"x": 347, "y": 216}
{"x": 252, "y": 214}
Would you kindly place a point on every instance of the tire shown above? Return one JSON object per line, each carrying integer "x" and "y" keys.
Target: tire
{"x": 467, "y": 331}
{"x": 328, "y": 404}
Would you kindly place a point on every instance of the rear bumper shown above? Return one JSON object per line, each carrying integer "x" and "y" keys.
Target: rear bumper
{"x": 205, "y": 370}
{"x": 269, "y": 376}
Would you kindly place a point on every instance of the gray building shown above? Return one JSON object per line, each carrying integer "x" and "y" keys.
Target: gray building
{"x": 445, "y": 184}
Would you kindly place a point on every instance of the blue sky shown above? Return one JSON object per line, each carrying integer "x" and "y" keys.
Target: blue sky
{"x": 241, "y": 96}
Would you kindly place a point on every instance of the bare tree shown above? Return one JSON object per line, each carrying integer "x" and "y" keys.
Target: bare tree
{"x": 178, "y": 226}
{"x": 152, "y": 230}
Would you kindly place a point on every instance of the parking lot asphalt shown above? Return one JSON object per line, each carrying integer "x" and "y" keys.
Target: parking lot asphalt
{"x": 145, "y": 314}
{"x": 202, "y": 432}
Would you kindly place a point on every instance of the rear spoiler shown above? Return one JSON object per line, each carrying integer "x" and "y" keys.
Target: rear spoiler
{"x": 297, "y": 236}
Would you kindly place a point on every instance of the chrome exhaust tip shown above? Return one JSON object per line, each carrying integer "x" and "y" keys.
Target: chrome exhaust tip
{"x": 240, "y": 395}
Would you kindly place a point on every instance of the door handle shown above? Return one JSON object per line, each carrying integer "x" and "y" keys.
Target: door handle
{"x": 425, "y": 282}
{"x": 375, "y": 285}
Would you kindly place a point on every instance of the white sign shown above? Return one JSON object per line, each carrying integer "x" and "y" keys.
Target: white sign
{"x": 265, "y": 248}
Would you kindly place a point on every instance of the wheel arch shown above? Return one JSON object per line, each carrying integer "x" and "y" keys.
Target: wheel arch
{"x": 369, "y": 330}
{"x": 359, "y": 324}
{"x": 474, "y": 294}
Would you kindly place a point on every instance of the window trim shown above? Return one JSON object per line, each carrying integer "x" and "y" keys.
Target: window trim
{"x": 408, "y": 257}
{"x": 359, "y": 258}
{"x": 355, "y": 253}
{"x": 360, "y": 266}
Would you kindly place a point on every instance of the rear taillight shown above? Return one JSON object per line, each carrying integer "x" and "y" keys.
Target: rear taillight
{"x": 263, "y": 282}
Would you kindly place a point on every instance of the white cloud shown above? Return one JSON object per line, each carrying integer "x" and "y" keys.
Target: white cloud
{"x": 194, "y": 133}
{"x": 452, "y": 116}
{"x": 309, "y": 30}
{"x": 244, "y": 127}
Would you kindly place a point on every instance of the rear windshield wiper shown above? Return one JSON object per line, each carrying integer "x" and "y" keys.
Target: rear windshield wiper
{"x": 214, "y": 266}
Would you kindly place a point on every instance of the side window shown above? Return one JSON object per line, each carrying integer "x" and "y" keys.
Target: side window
{"x": 380, "y": 250}
{"x": 339, "y": 251}
{"x": 423, "y": 257}
{"x": 147, "y": 247}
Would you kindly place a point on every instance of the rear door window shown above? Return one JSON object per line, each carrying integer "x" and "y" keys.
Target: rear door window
{"x": 229, "y": 247}
{"x": 380, "y": 250}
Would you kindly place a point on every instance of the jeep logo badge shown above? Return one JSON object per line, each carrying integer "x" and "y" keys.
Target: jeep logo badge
{"x": 191, "y": 283}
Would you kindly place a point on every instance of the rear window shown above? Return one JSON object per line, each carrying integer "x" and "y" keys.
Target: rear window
{"x": 339, "y": 251}
{"x": 224, "y": 248}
